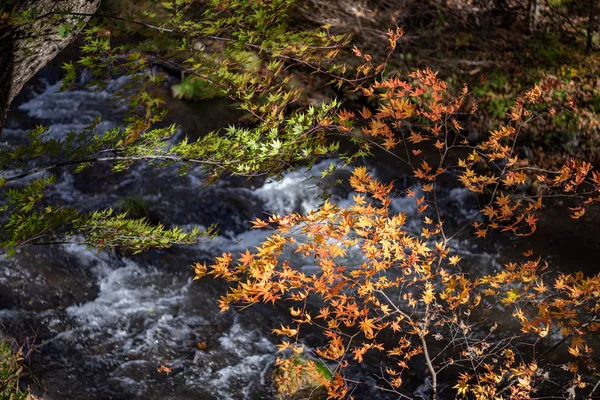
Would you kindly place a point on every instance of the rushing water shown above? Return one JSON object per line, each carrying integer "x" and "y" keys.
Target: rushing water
{"x": 102, "y": 323}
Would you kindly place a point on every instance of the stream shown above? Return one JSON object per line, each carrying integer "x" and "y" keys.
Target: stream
{"x": 100, "y": 324}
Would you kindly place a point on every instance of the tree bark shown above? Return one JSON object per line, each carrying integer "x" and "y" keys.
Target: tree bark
{"x": 26, "y": 47}
{"x": 591, "y": 28}
{"x": 533, "y": 11}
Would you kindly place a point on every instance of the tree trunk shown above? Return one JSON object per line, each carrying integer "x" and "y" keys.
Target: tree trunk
{"x": 533, "y": 12}
{"x": 591, "y": 28}
{"x": 25, "y": 48}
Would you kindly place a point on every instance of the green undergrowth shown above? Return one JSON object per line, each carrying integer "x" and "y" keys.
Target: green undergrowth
{"x": 11, "y": 369}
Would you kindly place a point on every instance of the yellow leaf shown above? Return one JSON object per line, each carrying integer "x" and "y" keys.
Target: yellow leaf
{"x": 454, "y": 260}
{"x": 199, "y": 270}
{"x": 367, "y": 326}
{"x": 428, "y": 294}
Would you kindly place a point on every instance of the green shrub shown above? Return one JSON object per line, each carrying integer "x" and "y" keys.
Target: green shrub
{"x": 192, "y": 88}
{"x": 11, "y": 368}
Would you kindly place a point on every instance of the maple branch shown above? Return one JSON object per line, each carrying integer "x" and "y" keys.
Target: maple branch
{"x": 470, "y": 356}
{"x": 379, "y": 387}
{"x": 374, "y": 143}
{"x": 110, "y": 17}
{"x": 594, "y": 389}
{"x": 399, "y": 311}
{"x": 439, "y": 218}
{"x": 426, "y": 353}
{"x": 167, "y": 158}
{"x": 512, "y": 150}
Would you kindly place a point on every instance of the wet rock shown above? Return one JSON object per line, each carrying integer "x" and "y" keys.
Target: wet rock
{"x": 473, "y": 137}
{"x": 44, "y": 277}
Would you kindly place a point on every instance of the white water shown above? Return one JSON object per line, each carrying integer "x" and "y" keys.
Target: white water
{"x": 72, "y": 110}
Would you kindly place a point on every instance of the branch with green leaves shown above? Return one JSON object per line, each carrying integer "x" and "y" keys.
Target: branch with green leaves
{"x": 27, "y": 218}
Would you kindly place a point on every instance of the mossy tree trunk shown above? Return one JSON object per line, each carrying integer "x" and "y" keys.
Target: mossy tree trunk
{"x": 26, "y": 47}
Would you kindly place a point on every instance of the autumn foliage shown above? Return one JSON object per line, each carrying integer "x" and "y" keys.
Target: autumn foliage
{"x": 410, "y": 301}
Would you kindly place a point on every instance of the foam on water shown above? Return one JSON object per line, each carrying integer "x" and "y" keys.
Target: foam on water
{"x": 123, "y": 293}
{"x": 73, "y": 110}
{"x": 145, "y": 314}
{"x": 65, "y": 189}
{"x": 296, "y": 191}
{"x": 299, "y": 190}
